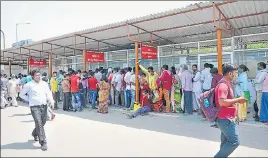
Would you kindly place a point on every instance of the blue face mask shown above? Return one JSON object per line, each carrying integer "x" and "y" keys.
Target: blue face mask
{"x": 258, "y": 68}
{"x": 239, "y": 71}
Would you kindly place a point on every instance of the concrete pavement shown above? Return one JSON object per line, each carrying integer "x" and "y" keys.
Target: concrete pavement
{"x": 88, "y": 133}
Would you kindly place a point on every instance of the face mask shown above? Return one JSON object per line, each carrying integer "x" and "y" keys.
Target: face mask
{"x": 258, "y": 68}
{"x": 239, "y": 71}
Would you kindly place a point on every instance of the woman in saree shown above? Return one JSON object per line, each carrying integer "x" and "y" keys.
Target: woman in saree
{"x": 143, "y": 85}
{"x": 242, "y": 81}
{"x": 264, "y": 102}
{"x": 104, "y": 93}
{"x": 157, "y": 105}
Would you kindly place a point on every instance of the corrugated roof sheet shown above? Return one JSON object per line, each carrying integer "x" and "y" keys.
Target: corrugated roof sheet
{"x": 191, "y": 23}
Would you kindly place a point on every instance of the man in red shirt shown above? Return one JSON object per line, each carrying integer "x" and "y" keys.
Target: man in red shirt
{"x": 224, "y": 98}
{"x": 145, "y": 106}
{"x": 92, "y": 82}
{"x": 166, "y": 81}
{"x": 76, "y": 103}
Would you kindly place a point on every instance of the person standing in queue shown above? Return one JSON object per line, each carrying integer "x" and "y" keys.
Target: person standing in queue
{"x": 224, "y": 98}
{"x": 39, "y": 97}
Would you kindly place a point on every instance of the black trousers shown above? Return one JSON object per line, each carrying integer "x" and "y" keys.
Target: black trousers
{"x": 66, "y": 100}
{"x": 56, "y": 99}
{"x": 39, "y": 114}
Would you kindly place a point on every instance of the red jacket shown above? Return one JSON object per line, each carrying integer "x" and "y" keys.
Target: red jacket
{"x": 166, "y": 79}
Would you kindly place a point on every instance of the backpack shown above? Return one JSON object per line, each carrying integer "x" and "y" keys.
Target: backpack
{"x": 208, "y": 104}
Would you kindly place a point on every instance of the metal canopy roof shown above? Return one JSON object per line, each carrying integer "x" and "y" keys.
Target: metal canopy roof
{"x": 192, "y": 23}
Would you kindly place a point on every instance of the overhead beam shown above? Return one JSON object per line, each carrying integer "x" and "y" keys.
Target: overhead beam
{"x": 102, "y": 41}
{"x": 62, "y": 46}
{"x": 152, "y": 33}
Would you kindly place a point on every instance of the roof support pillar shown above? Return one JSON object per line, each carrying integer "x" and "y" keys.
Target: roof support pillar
{"x": 9, "y": 66}
{"x": 50, "y": 62}
{"x": 85, "y": 60}
{"x": 137, "y": 70}
{"x": 219, "y": 49}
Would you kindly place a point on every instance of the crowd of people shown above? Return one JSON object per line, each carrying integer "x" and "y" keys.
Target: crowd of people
{"x": 176, "y": 90}
{"x": 173, "y": 90}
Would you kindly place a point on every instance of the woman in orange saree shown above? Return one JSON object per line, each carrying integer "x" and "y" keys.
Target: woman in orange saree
{"x": 104, "y": 93}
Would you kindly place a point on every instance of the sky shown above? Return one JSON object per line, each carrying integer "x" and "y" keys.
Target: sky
{"x": 54, "y": 18}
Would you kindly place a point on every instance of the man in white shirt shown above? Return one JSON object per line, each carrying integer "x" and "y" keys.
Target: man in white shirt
{"x": 133, "y": 89}
{"x": 128, "y": 87}
{"x": 38, "y": 96}
{"x": 197, "y": 87}
{"x": 118, "y": 88}
{"x": 206, "y": 78}
{"x": 258, "y": 81}
{"x": 98, "y": 75}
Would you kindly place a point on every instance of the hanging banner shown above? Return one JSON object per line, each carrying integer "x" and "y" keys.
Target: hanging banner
{"x": 148, "y": 52}
{"x": 93, "y": 57}
{"x": 40, "y": 63}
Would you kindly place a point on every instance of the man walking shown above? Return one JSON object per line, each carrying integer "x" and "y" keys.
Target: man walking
{"x": 224, "y": 98}
{"x": 39, "y": 97}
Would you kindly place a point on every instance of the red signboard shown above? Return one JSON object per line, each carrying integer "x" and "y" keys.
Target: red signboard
{"x": 93, "y": 57}
{"x": 37, "y": 62}
{"x": 148, "y": 52}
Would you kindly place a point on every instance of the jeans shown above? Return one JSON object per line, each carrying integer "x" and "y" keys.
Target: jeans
{"x": 60, "y": 93}
{"x": 188, "y": 101}
{"x": 83, "y": 94}
{"x": 121, "y": 94}
{"x": 66, "y": 100}
{"x": 76, "y": 103}
{"x": 229, "y": 137}
{"x": 93, "y": 97}
{"x": 132, "y": 96}
{"x": 142, "y": 110}
{"x": 127, "y": 98}
{"x": 39, "y": 114}
{"x": 56, "y": 99}
{"x": 112, "y": 96}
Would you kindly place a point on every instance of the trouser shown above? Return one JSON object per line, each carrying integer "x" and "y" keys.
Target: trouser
{"x": 196, "y": 96}
{"x": 49, "y": 112}
{"x": 66, "y": 100}
{"x": 76, "y": 103}
{"x": 121, "y": 94}
{"x": 133, "y": 97}
{"x": 142, "y": 110}
{"x": 188, "y": 101}
{"x": 201, "y": 111}
{"x": 259, "y": 96}
{"x": 14, "y": 101}
{"x": 3, "y": 100}
{"x": 112, "y": 96}
{"x": 127, "y": 98}
{"x": 93, "y": 97}
{"x": 39, "y": 114}
{"x": 56, "y": 99}
{"x": 229, "y": 137}
{"x": 60, "y": 98}
{"x": 83, "y": 94}
{"x": 166, "y": 97}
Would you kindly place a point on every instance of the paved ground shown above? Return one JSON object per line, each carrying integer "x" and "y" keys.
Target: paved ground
{"x": 88, "y": 133}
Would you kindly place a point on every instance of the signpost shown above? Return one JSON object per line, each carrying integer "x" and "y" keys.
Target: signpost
{"x": 38, "y": 63}
{"x": 94, "y": 57}
{"x": 148, "y": 52}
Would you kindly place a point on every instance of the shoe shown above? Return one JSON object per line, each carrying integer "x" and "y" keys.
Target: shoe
{"x": 53, "y": 116}
{"x": 44, "y": 147}
{"x": 129, "y": 116}
{"x": 215, "y": 126}
{"x": 144, "y": 114}
{"x": 94, "y": 107}
{"x": 35, "y": 138}
{"x": 257, "y": 119}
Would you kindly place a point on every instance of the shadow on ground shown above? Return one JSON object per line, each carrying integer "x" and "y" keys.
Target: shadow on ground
{"x": 188, "y": 126}
{"x": 20, "y": 146}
